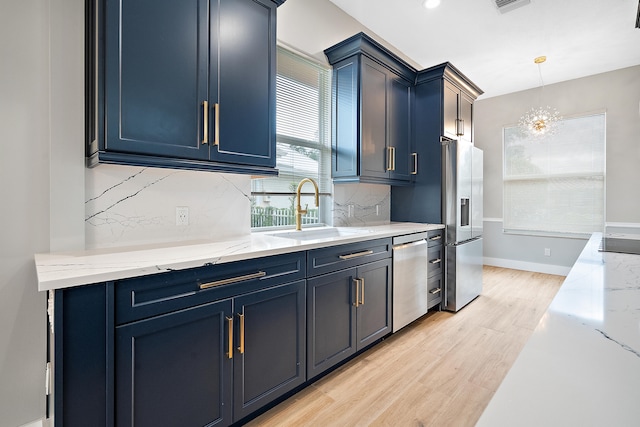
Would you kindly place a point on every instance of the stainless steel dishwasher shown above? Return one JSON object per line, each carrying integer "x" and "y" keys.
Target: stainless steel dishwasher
{"x": 410, "y": 258}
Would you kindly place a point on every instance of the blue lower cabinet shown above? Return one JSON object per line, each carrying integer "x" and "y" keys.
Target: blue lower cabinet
{"x": 331, "y": 329}
{"x": 182, "y": 368}
{"x": 174, "y": 369}
{"x": 348, "y": 311}
{"x": 374, "y": 308}
{"x": 269, "y": 355}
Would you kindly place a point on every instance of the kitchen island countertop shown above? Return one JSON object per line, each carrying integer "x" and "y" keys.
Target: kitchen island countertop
{"x": 581, "y": 366}
{"x": 67, "y": 269}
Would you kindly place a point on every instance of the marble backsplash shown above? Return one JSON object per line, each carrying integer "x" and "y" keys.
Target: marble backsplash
{"x": 358, "y": 205}
{"x": 128, "y": 205}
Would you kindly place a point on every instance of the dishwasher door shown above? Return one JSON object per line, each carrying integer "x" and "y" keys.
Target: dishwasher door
{"x": 410, "y": 260}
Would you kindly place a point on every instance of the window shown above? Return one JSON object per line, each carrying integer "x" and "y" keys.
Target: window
{"x": 555, "y": 185}
{"x": 303, "y": 150}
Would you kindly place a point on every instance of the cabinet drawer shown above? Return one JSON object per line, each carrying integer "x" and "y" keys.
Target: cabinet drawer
{"x": 435, "y": 289}
{"x": 334, "y": 258}
{"x": 435, "y": 257}
{"x": 435, "y": 237}
{"x": 147, "y": 296}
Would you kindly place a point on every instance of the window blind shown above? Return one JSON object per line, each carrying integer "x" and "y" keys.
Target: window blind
{"x": 303, "y": 150}
{"x": 555, "y": 185}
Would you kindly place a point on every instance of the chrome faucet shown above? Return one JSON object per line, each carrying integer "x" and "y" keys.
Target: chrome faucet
{"x": 299, "y": 210}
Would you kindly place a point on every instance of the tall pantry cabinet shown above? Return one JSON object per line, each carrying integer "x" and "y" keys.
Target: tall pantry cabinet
{"x": 444, "y": 99}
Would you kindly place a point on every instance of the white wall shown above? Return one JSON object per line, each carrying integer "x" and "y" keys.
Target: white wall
{"x": 24, "y": 191}
{"x": 617, "y": 93}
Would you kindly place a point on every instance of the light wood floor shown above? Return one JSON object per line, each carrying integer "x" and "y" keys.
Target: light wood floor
{"x": 442, "y": 370}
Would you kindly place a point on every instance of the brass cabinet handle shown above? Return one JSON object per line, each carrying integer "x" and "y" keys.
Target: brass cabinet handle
{"x": 357, "y": 299}
{"x": 230, "y": 327}
{"x": 205, "y": 125}
{"x": 393, "y": 158}
{"x": 415, "y": 163}
{"x": 216, "y": 131}
{"x": 356, "y": 255}
{"x": 241, "y": 348}
{"x": 438, "y": 237}
{"x": 362, "y": 291}
{"x": 435, "y": 291}
{"x": 435, "y": 261}
{"x": 233, "y": 280}
{"x": 459, "y": 127}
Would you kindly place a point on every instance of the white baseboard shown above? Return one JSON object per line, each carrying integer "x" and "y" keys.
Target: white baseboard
{"x": 559, "y": 270}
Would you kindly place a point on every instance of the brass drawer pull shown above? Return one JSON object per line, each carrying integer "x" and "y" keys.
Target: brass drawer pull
{"x": 362, "y": 291}
{"x": 415, "y": 163}
{"x": 438, "y": 237}
{"x": 233, "y": 280}
{"x": 435, "y": 261}
{"x": 356, "y": 255}
{"x": 230, "y": 326}
{"x": 435, "y": 291}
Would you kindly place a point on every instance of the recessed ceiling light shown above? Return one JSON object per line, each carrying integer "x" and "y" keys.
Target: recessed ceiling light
{"x": 430, "y": 4}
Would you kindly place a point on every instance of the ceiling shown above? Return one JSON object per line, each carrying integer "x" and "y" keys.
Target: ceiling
{"x": 496, "y": 50}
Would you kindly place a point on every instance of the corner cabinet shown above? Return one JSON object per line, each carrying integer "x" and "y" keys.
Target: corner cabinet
{"x": 372, "y": 108}
{"x": 187, "y": 84}
{"x": 444, "y": 99}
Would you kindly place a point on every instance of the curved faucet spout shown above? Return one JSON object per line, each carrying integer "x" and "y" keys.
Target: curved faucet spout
{"x": 299, "y": 210}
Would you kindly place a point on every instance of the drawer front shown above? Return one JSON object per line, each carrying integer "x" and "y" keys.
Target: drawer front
{"x": 334, "y": 258}
{"x": 143, "y": 297}
{"x": 435, "y": 257}
{"x": 435, "y": 237}
{"x": 435, "y": 289}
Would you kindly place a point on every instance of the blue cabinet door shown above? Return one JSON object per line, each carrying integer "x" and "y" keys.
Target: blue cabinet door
{"x": 156, "y": 77}
{"x": 374, "y": 161}
{"x": 174, "y": 369}
{"x": 374, "y": 307}
{"x": 400, "y": 111}
{"x": 243, "y": 82}
{"x": 331, "y": 329}
{"x": 269, "y": 357}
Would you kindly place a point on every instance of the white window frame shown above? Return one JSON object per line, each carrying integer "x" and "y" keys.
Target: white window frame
{"x": 558, "y": 177}
{"x": 319, "y": 215}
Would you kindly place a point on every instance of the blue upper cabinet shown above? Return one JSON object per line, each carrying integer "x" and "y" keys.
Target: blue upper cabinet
{"x": 185, "y": 84}
{"x": 372, "y": 110}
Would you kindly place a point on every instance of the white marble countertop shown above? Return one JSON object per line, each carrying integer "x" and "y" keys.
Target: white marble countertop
{"x": 581, "y": 367}
{"x": 67, "y": 269}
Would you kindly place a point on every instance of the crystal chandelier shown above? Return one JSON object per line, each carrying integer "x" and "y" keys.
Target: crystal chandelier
{"x": 540, "y": 121}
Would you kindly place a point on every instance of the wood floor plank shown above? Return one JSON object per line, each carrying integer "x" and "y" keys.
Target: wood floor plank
{"x": 441, "y": 370}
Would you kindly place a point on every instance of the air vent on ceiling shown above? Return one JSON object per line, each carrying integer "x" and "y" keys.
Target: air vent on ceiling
{"x": 505, "y": 6}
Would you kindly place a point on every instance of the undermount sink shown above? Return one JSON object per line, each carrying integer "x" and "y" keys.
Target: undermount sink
{"x": 320, "y": 233}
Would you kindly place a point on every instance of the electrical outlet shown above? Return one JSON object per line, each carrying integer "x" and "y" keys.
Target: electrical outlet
{"x": 182, "y": 215}
{"x": 547, "y": 251}
{"x": 377, "y": 210}
{"x": 349, "y": 211}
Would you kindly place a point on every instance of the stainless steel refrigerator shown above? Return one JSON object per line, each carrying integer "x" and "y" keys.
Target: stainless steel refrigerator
{"x": 462, "y": 214}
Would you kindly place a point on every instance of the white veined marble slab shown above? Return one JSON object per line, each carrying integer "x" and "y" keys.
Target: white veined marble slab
{"x": 581, "y": 366}
{"x": 67, "y": 269}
